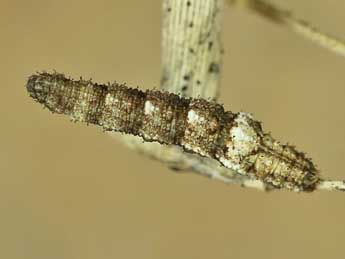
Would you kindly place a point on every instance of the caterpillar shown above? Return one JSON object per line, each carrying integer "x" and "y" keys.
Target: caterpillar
{"x": 236, "y": 140}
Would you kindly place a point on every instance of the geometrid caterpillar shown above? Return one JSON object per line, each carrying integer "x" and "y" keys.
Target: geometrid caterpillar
{"x": 234, "y": 139}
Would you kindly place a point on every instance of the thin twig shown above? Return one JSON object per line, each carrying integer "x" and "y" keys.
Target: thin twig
{"x": 297, "y": 25}
{"x": 329, "y": 185}
{"x": 179, "y": 161}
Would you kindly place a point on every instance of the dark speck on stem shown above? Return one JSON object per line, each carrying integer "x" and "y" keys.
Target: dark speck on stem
{"x": 213, "y": 68}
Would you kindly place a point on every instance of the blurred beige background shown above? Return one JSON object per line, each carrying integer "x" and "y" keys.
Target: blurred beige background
{"x": 71, "y": 191}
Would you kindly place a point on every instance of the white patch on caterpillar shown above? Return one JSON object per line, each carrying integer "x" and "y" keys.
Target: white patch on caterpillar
{"x": 193, "y": 117}
{"x": 109, "y": 99}
{"x": 149, "y": 108}
{"x": 244, "y": 140}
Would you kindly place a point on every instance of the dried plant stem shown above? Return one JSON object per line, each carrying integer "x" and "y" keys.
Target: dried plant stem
{"x": 299, "y": 26}
{"x": 192, "y": 47}
{"x": 191, "y": 66}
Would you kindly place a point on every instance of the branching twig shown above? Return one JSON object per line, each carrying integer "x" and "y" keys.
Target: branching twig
{"x": 191, "y": 66}
{"x": 283, "y": 17}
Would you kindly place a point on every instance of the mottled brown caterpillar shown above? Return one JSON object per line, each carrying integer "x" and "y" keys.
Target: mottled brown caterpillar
{"x": 234, "y": 139}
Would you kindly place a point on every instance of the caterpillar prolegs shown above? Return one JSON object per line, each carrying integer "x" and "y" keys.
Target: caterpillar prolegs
{"x": 236, "y": 140}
